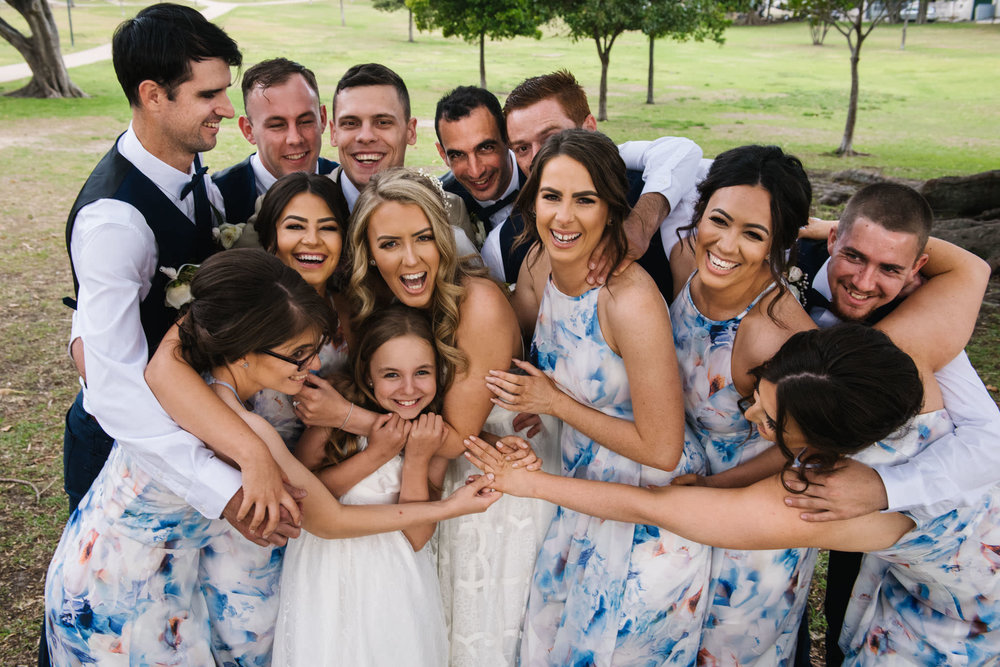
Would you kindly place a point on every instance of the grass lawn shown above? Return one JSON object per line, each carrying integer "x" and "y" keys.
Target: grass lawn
{"x": 930, "y": 110}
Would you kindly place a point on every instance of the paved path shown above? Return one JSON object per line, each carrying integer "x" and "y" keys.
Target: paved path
{"x": 212, "y": 10}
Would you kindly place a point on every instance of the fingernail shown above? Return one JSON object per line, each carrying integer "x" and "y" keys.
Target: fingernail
{"x": 489, "y": 475}
{"x": 788, "y": 501}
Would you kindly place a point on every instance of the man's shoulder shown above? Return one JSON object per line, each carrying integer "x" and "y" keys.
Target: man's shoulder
{"x": 233, "y": 172}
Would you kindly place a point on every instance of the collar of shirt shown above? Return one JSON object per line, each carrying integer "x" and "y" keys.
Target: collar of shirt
{"x": 261, "y": 176}
{"x": 350, "y": 191}
{"x": 169, "y": 180}
{"x": 821, "y": 283}
{"x": 515, "y": 184}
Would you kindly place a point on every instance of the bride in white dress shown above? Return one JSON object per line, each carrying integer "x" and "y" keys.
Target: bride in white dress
{"x": 374, "y": 600}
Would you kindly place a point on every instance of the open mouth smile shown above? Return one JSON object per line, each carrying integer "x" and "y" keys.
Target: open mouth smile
{"x": 720, "y": 264}
{"x": 414, "y": 282}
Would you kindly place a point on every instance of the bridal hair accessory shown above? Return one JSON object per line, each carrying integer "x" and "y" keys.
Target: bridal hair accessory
{"x": 436, "y": 184}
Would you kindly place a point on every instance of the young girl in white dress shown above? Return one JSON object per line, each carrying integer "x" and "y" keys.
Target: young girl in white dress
{"x": 373, "y": 600}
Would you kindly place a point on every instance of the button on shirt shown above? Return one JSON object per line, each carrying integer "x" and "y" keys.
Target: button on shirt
{"x": 115, "y": 258}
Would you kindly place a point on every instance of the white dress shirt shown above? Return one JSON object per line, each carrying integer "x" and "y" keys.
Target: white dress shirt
{"x": 263, "y": 179}
{"x": 959, "y": 467}
{"x": 115, "y": 257}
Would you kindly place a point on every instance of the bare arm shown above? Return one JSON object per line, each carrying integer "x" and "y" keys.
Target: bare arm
{"x": 384, "y": 442}
{"x": 750, "y": 518}
{"x": 637, "y": 325}
{"x": 198, "y": 410}
{"x": 426, "y": 435}
{"x": 528, "y": 293}
{"x": 324, "y": 517}
{"x": 486, "y": 332}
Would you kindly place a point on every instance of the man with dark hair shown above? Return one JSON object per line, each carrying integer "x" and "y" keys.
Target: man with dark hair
{"x": 473, "y": 140}
{"x": 146, "y": 206}
{"x": 285, "y": 120}
{"x": 371, "y": 127}
{"x": 872, "y": 261}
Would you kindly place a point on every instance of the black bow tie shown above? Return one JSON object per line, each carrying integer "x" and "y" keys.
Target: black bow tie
{"x": 198, "y": 177}
{"x": 486, "y": 212}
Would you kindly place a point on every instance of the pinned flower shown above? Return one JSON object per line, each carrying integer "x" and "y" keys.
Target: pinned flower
{"x": 797, "y": 282}
{"x": 178, "y": 290}
{"x": 228, "y": 234}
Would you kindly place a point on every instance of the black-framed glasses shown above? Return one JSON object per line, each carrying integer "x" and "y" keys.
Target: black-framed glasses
{"x": 299, "y": 364}
{"x": 744, "y": 404}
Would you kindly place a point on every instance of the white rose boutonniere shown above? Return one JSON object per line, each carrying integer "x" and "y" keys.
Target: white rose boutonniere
{"x": 796, "y": 281}
{"x": 178, "y": 290}
{"x": 227, "y": 234}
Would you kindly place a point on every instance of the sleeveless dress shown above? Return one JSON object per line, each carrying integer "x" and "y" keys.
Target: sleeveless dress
{"x": 361, "y": 601}
{"x": 757, "y": 597}
{"x": 485, "y": 560}
{"x": 140, "y": 577}
{"x": 933, "y": 598}
{"x": 607, "y": 592}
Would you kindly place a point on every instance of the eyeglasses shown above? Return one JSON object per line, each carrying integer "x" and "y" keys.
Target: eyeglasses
{"x": 744, "y": 404}
{"x": 299, "y": 364}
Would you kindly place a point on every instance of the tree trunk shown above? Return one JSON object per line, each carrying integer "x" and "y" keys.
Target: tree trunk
{"x": 922, "y": 12}
{"x": 902, "y": 40}
{"x": 41, "y": 51}
{"x": 602, "y": 105}
{"x": 847, "y": 144}
{"x": 817, "y": 30}
{"x": 482, "y": 60}
{"x": 411, "y": 24}
{"x": 649, "y": 84}
{"x": 343, "y": 21}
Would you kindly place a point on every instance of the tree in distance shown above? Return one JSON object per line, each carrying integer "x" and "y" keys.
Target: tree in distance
{"x": 40, "y": 51}
{"x": 474, "y": 20}
{"x": 695, "y": 19}
{"x": 392, "y": 6}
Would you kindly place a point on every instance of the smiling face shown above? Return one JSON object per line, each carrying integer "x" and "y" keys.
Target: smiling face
{"x": 285, "y": 122}
{"x": 402, "y": 244}
{"x": 284, "y": 376}
{"x": 570, "y": 216}
{"x": 188, "y": 120}
{"x": 403, "y": 375}
{"x": 474, "y": 150}
{"x": 869, "y": 266}
{"x": 309, "y": 239}
{"x": 734, "y": 236}
{"x": 370, "y": 131}
{"x": 529, "y": 127}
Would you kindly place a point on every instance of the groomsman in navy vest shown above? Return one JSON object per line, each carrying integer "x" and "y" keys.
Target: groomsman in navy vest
{"x": 869, "y": 262}
{"x": 285, "y": 120}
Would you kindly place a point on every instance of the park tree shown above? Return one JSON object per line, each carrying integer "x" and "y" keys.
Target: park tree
{"x": 475, "y": 20}
{"x": 681, "y": 20}
{"x": 603, "y": 21}
{"x": 853, "y": 26}
{"x": 40, "y": 50}
{"x": 818, "y": 15}
{"x": 392, "y": 6}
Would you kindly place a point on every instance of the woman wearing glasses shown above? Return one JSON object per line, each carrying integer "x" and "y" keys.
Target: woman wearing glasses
{"x": 138, "y": 571}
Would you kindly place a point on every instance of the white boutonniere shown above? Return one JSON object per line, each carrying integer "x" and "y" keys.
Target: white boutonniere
{"x": 178, "y": 290}
{"x": 797, "y": 282}
{"x": 227, "y": 234}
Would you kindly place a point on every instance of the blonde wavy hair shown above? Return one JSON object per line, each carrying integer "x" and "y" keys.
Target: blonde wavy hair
{"x": 368, "y": 288}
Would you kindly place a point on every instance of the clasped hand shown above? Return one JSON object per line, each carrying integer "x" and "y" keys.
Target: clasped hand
{"x": 533, "y": 392}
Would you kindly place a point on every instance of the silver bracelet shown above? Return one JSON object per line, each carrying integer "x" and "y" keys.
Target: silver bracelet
{"x": 348, "y": 417}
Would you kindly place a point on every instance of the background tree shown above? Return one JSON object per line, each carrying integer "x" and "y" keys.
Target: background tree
{"x": 392, "y": 6}
{"x": 853, "y": 27}
{"x": 475, "y": 20}
{"x": 818, "y": 15}
{"x": 603, "y": 21}
{"x": 40, "y": 50}
{"x": 681, "y": 20}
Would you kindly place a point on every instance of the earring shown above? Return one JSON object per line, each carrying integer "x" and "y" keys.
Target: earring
{"x": 246, "y": 364}
{"x": 372, "y": 262}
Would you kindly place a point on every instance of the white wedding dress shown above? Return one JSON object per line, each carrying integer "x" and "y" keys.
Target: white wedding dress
{"x": 368, "y": 601}
{"x": 485, "y": 561}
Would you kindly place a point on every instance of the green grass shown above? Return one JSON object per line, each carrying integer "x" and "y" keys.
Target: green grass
{"x": 928, "y": 111}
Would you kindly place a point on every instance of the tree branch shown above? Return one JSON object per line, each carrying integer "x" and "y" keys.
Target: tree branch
{"x": 12, "y": 35}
